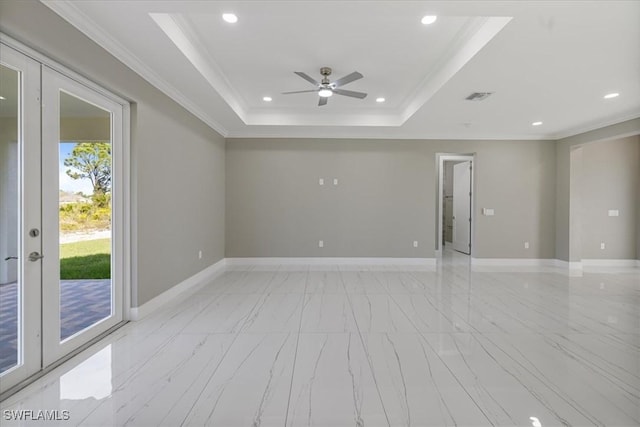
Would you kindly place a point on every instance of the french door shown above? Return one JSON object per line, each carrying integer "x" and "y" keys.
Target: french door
{"x": 61, "y": 221}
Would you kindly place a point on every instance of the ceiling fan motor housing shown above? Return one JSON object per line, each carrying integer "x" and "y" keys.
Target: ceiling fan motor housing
{"x": 325, "y": 72}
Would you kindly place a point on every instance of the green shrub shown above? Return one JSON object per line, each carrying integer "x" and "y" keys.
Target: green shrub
{"x": 83, "y": 216}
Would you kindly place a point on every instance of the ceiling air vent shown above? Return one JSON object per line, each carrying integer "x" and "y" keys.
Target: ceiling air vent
{"x": 478, "y": 96}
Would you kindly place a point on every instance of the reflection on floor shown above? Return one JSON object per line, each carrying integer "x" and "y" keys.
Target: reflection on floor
{"x": 83, "y": 303}
{"x": 367, "y": 346}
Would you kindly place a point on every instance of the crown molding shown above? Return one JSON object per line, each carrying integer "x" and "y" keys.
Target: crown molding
{"x": 69, "y": 12}
{"x": 595, "y": 125}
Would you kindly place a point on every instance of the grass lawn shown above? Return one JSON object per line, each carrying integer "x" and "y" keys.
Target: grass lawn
{"x": 90, "y": 259}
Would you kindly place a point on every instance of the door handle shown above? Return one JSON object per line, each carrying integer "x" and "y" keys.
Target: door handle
{"x": 10, "y": 257}
{"x": 35, "y": 256}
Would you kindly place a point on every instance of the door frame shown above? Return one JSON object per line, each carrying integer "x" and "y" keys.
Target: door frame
{"x": 440, "y": 159}
{"x": 122, "y": 166}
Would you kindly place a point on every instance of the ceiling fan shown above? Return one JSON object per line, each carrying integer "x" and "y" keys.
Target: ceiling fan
{"x": 326, "y": 88}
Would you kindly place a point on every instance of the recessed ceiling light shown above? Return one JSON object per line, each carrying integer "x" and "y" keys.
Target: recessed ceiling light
{"x": 381, "y": 99}
{"x": 536, "y": 123}
{"x": 2, "y": 97}
{"x": 611, "y": 95}
{"x": 429, "y": 19}
{"x": 325, "y": 93}
{"x": 267, "y": 99}
{"x": 230, "y": 18}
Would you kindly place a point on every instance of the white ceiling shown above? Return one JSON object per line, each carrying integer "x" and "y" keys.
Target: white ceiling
{"x": 549, "y": 61}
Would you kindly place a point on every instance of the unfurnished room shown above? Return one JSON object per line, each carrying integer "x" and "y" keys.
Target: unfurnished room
{"x": 319, "y": 213}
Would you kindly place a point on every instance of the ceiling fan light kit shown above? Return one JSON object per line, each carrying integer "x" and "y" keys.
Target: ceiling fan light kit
{"x": 325, "y": 88}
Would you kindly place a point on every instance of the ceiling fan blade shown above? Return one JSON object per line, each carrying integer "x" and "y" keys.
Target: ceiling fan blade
{"x": 307, "y": 77}
{"x": 300, "y": 91}
{"x": 347, "y": 79}
{"x": 350, "y": 93}
{"x": 322, "y": 101}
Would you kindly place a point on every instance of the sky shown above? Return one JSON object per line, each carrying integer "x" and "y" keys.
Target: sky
{"x": 66, "y": 182}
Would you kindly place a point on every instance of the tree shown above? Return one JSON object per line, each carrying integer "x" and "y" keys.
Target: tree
{"x": 91, "y": 160}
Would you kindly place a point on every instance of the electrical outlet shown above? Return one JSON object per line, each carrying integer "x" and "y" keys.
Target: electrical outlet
{"x": 526, "y": 245}
{"x": 602, "y": 245}
{"x": 415, "y": 243}
{"x": 199, "y": 254}
{"x": 321, "y": 243}
{"x": 335, "y": 181}
{"x": 321, "y": 181}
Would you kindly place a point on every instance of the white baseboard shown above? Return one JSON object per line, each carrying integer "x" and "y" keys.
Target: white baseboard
{"x": 611, "y": 263}
{"x": 513, "y": 262}
{"x": 190, "y": 284}
{"x": 329, "y": 261}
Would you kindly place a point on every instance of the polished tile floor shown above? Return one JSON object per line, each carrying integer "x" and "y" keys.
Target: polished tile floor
{"x": 367, "y": 346}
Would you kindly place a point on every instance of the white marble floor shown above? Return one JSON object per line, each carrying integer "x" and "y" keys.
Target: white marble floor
{"x": 367, "y": 346}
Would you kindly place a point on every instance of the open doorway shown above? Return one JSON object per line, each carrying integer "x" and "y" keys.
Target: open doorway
{"x": 455, "y": 204}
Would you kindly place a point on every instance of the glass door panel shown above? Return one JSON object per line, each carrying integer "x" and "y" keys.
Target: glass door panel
{"x": 82, "y": 296}
{"x": 20, "y": 316}
{"x": 84, "y": 215}
{"x": 10, "y": 282}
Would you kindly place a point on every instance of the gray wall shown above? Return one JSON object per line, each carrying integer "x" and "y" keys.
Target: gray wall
{"x": 178, "y": 166}
{"x": 610, "y": 181}
{"x": 386, "y": 197}
{"x": 569, "y": 181}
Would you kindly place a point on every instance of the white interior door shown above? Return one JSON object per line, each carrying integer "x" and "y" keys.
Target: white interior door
{"x": 462, "y": 207}
{"x": 20, "y": 297}
{"x": 82, "y": 200}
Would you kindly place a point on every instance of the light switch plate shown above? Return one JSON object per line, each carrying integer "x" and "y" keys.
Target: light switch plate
{"x": 488, "y": 212}
{"x": 321, "y": 181}
{"x": 614, "y": 212}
